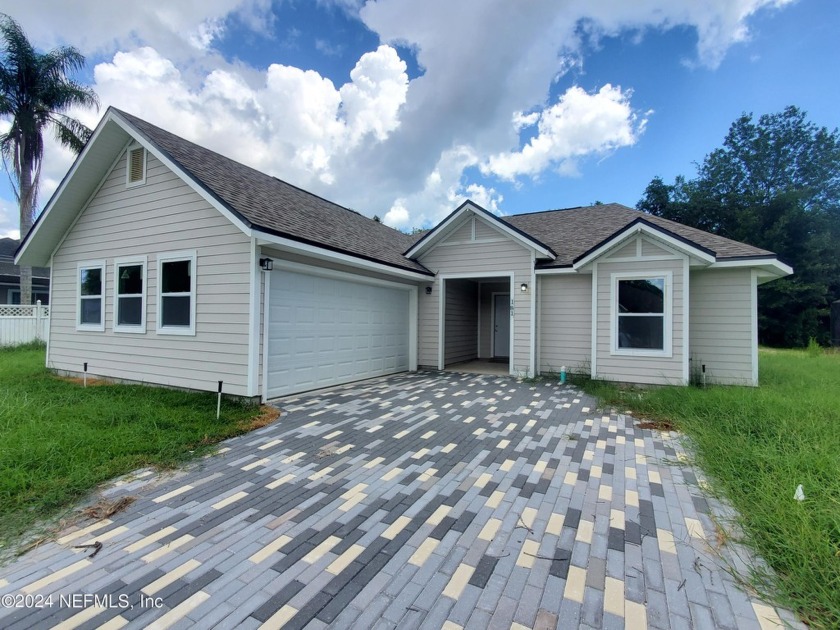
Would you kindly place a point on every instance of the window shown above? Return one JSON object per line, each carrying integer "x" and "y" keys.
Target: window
{"x": 91, "y": 296}
{"x": 641, "y": 314}
{"x": 130, "y": 295}
{"x": 136, "y": 166}
{"x": 176, "y": 293}
{"x": 13, "y": 296}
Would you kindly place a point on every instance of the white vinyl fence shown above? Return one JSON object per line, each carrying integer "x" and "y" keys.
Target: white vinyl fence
{"x": 23, "y": 324}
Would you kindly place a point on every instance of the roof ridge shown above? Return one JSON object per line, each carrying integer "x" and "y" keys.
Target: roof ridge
{"x": 612, "y": 203}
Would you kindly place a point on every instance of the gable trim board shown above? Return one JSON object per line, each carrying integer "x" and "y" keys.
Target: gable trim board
{"x": 440, "y": 231}
{"x": 94, "y": 217}
{"x": 640, "y": 226}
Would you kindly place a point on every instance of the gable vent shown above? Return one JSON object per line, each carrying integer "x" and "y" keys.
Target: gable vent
{"x": 136, "y": 165}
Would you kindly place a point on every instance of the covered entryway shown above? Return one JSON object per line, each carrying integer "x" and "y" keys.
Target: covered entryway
{"x": 327, "y": 328}
{"x": 477, "y": 324}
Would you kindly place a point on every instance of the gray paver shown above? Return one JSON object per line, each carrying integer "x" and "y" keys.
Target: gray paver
{"x": 333, "y": 503}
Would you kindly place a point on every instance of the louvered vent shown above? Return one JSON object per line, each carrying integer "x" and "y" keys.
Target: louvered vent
{"x": 136, "y": 165}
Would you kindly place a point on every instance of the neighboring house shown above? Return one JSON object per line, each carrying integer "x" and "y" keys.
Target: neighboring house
{"x": 10, "y": 276}
{"x": 159, "y": 249}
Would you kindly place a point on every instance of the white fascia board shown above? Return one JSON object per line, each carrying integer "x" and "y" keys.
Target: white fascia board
{"x": 287, "y": 244}
{"x": 442, "y": 229}
{"x": 772, "y": 266}
{"x": 553, "y": 271}
{"x": 641, "y": 228}
{"x": 230, "y": 216}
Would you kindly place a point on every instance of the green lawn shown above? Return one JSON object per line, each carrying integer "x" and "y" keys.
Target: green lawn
{"x": 59, "y": 440}
{"x": 756, "y": 445}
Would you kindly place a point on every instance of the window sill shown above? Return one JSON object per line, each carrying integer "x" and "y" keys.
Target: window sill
{"x": 90, "y": 328}
{"x": 136, "y": 330}
{"x": 183, "y": 331}
{"x": 662, "y": 354}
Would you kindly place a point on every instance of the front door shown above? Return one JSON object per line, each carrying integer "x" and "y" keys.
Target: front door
{"x": 501, "y": 325}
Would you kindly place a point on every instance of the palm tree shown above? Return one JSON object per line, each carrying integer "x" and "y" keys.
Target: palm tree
{"x": 34, "y": 93}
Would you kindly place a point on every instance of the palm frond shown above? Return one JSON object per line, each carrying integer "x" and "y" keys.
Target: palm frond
{"x": 70, "y": 132}
{"x": 62, "y": 61}
{"x": 59, "y": 95}
{"x": 16, "y": 45}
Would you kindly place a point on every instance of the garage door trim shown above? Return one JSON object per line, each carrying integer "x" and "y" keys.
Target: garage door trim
{"x": 284, "y": 265}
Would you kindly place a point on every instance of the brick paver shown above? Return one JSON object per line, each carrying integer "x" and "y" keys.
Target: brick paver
{"x": 416, "y": 501}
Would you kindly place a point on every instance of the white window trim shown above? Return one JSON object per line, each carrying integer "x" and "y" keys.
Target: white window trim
{"x": 129, "y": 151}
{"x": 130, "y": 262}
{"x": 668, "y": 320}
{"x": 90, "y": 264}
{"x": 174, "y": 257}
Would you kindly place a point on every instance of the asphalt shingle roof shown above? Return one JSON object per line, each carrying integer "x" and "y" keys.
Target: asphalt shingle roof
{"x": 275, "y": 206}
{"x": 574, "y": 232}
{"x": 8, "y": 269}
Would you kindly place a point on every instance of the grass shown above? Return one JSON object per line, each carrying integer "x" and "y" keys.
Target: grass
{"x": 757, "y": 445}
{"x": 59, "y": 440}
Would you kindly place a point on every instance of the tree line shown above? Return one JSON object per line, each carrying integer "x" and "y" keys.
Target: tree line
{"x": 775, "y": 184}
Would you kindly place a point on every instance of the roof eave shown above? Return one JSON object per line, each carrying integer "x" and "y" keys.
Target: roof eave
{"x": 275, "y": 237}
{"x": 34, "y": 249}
{"x": 769, "y": 266}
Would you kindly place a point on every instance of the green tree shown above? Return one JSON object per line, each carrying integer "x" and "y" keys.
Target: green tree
{"x": 35, "y": 93}
{"x": 775, "y": 183}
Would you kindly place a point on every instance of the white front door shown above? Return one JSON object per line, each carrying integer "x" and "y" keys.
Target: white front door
{"x": 324, "y": 331}
{"x": 501, "y": 325}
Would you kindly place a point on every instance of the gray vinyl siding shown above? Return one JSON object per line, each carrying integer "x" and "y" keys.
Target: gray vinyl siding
{"x": 163, "y": 215}
{"x": 720, "y": 328}
{"x": 485, "y": 231}
{"x": 485, "y": 324}
{"x": 565, "y": 323}
{"x": 640, "y": 369}
{"x": 463, "y": 233}
{"x": 624, "y": 251}
{"x": 461, "y": 328}
{"x": 652, "y": 249}
{"x": 469, "y": 258}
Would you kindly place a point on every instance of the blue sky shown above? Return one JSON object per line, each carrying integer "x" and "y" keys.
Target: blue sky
{"x": 403, "y": 108}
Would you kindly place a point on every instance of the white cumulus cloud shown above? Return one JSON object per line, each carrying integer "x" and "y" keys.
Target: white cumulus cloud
{"x": 579, "y": 124}
{"x": 408, "y": 150}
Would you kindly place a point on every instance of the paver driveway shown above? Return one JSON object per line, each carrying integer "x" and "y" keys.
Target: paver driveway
{"x": 421, "y": 500}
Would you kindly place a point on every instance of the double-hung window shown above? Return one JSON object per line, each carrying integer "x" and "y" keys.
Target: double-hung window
{"x": 90, "y": 292}
{"x": 130, "y": 295}
{"x": 176, "y": 293}
{"x": 641, "y": 314}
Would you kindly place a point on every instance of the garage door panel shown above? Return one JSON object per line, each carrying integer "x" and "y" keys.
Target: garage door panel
{"x": 327, "y": 331}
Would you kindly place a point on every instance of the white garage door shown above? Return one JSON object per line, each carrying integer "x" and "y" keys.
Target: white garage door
{"x": 326, "y": 331}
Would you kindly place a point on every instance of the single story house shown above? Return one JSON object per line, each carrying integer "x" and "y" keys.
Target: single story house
{"x": 10, "y": 276}
{"x": 174, "y": 265}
